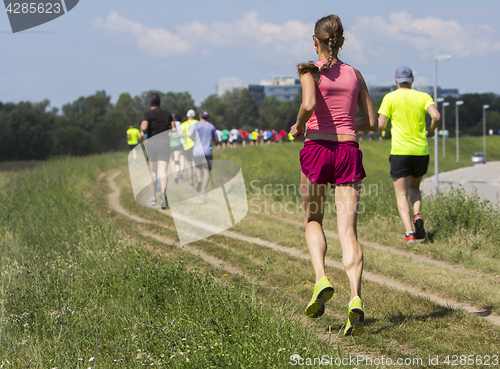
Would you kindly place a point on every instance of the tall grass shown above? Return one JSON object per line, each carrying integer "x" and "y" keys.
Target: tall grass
{"x": 73, "y": 294}
{"x": 464, "y": 222}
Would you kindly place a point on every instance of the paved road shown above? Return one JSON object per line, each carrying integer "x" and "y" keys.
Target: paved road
{"x": 485, "y": 178}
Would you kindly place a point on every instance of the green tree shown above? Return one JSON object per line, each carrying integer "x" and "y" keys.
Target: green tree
{"x": 234, "y": 109}
{"x": 218, "y": 110}
{"x": 86, "y": 112}
{"x": 470, "y": 113}
{"x": 246, "y": 111}
{"x": 72, "y": 140}
{"x": 493, "y": 121}
{"x": 129, "y": 110}
{"x": 277, "y": 115}
{"x": 110, "y": 132}
{"x": 25, "y": 131}
{"x": 178, "y": 103}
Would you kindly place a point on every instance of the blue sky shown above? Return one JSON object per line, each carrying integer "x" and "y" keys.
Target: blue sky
{"x": 188, "y": 45}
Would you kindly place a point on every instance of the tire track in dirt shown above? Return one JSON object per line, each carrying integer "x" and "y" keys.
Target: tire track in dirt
{"x": 392, "y": 250}
{"x": 114, "y": 203}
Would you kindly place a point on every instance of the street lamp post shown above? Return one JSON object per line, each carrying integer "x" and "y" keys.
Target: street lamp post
{"x": 445, "y": 104}
{"x": 484, "y": 129}
{"x": 457, "y": 103}
{"x": 437, "y": 59}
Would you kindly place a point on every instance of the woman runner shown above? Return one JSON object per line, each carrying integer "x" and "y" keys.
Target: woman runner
{"x": 332, "y": 90}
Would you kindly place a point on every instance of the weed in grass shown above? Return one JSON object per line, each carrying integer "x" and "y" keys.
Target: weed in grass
{"x": 459, "y": 215}
{"x": 74, "y": 294}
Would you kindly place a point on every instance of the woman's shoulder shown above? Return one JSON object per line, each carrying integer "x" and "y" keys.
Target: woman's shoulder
{"x": 344, "y": 65}
{"x": 346, "y": 73}
{"x": 320, "y": 63}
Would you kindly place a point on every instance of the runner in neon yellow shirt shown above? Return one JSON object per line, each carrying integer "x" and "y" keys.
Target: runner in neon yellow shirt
{"x": 406, "y": 109}
{"x": 409, "y": 156}
{"x": 133, "y": 135}
{"x": 187, "y": 154}
{"x": 255, "y": 137}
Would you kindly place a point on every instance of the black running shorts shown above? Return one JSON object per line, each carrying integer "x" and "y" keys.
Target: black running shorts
{"x": 203, "y": 162}
{"x": 408, "y": 165}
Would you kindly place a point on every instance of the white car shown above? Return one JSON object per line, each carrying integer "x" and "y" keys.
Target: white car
{"x": 479, "y": 157}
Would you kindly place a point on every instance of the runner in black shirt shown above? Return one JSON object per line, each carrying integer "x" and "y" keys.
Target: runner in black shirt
{"x": 156, "y": 123}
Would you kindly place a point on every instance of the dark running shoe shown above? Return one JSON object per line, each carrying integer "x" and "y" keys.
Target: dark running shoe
{"x": 418, "y": 222}
{"x": 163, "y": 202}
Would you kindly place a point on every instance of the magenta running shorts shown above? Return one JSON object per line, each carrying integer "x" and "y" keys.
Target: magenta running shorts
{"x": 334, "y": 162}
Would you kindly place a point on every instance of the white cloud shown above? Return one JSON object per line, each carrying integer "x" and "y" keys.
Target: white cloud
{"x": 430, "y": 36}
{"x": 370, "y": 39}
{"x": 154, "y": 42}
{"x": 248, "y": 35}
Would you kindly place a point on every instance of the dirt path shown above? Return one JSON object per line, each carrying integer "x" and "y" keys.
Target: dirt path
{"x": 392, "y": 250}
{"x": 114, "y": 203}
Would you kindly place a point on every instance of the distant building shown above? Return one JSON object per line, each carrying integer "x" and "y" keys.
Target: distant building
{"x": 229, "y": 84}
{"x": 448, "y": 92}
{"x": 380, "y": 91}
{"x": 377, "y": 92}
{"x": 257, "y": 92}
{"x": 280, "y": 81}
{"x": 286, "y": 88}
{"x": 283, "y": 88}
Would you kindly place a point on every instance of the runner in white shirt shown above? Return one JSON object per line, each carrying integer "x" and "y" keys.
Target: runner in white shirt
{"x": 233, "y": 138}
{"x": 218, "y": 132}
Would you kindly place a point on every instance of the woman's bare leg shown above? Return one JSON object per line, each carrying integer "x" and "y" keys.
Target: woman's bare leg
{"x": 346, "y": 202}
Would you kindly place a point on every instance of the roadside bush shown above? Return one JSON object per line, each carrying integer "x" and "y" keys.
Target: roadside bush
{"x": 458, "y": 214}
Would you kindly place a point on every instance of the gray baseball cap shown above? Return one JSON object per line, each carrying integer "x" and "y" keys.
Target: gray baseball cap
{"x": 404, "y": 74}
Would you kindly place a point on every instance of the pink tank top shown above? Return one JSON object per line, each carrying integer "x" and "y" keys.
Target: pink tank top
{"x": 336, "y": 101}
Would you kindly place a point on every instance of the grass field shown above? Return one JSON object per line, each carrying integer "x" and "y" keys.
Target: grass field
{"x": 85, "y": 285}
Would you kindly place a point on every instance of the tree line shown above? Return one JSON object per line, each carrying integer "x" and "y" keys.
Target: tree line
{"x": 92, "y": 124}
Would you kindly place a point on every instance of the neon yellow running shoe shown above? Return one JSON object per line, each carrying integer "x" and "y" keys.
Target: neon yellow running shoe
{"x": 355, "y": 317}
{"x": 323, "y": 291}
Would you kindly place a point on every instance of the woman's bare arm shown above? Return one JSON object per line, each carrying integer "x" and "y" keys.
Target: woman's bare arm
{"x": 307, "y": 106}
{"x": 369, "y": 120}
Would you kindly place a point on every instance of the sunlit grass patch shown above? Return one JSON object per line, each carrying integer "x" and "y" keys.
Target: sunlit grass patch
{"x": 76, "y": 294}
